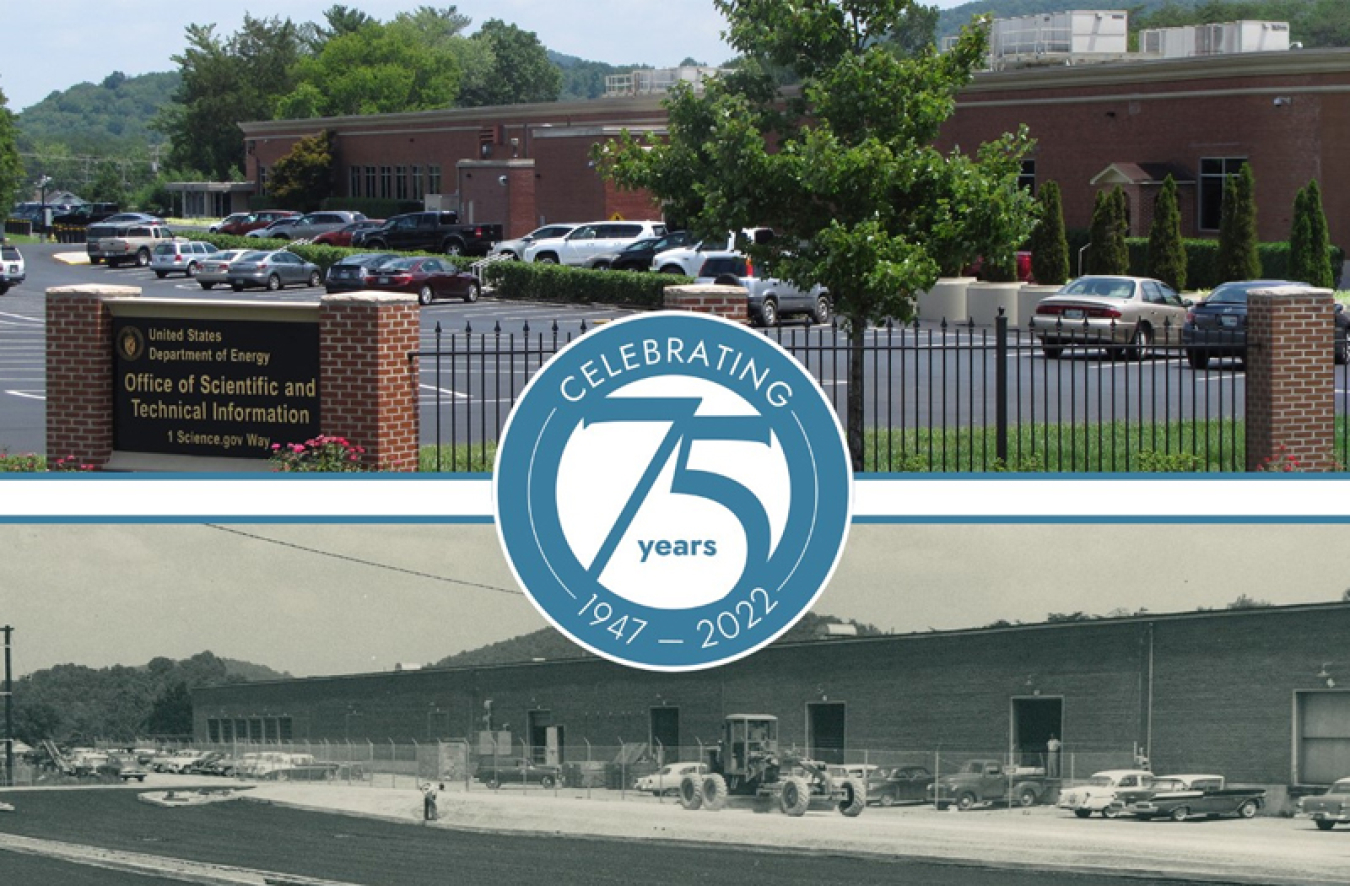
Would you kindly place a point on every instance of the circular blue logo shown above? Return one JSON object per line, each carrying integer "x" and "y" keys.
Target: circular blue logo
{"x": 673, "y": 491}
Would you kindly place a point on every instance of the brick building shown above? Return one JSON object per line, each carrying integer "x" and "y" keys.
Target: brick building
{"x": 1128, "y": 123}
{"x": 1254, "y": 694}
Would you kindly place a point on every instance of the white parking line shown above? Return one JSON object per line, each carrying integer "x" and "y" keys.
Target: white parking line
{"x": 445, "y": 391}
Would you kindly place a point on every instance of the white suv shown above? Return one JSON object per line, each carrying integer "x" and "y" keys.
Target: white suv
{"x": 515, "y": 249}
{"x": 12, "y": 271}
{"x": 590, "y": 239}
{"x": 688, "y": 260}
{"x": 768, "y": 299}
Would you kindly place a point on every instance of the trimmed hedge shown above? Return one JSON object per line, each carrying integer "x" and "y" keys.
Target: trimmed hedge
{"x": 530, "y": 281}
{"x": 1202, "y": 261}
{"x": 321, "y": 254}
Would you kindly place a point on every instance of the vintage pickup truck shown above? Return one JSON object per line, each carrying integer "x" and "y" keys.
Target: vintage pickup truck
{"x": 1180, "y": 797}
{"x": 988, "y": 781}
{"x": 1329, "y": 809}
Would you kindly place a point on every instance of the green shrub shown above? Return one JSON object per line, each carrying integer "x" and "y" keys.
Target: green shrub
{"x": 529, "y": 281}
{"x": 1049, "y": 248}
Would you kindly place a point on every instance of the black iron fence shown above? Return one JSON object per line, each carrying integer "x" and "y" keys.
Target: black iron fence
{"x": 947, "y": 397}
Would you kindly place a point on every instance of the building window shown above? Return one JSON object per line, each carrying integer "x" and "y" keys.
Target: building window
{"x": 1027, "y": 178}
{"x": 213, "y": 730}
{"x": 262, "y": 179}
{"x": 370, "y": 181}
{"x": 1214, "y": 172}
{"x": 355, "y": 181}
{"x": 418, "y": 192}
{"x": 401, "y": 182}
{"x": 284, "y": 729}
{"x": 386, "y": 182}
{"x": 434, "y": 178}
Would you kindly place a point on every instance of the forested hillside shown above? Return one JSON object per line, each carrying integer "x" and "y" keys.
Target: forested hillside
{"x": 105, "y": 118}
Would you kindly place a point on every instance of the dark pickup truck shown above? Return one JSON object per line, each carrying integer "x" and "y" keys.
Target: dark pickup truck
{"x": 429, "y": 232}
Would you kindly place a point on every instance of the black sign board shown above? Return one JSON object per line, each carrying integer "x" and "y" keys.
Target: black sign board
{"x": 210, "y": 387}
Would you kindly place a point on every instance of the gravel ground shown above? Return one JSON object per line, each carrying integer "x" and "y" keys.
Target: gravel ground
{"x": 1262, "y": 850}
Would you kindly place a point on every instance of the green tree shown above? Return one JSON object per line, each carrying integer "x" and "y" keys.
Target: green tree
{"x": 340, "y": 20}
{"x": 916, "y": 30}
{"x": 519, "y": 70}
{"x": 223, "y": 83}
{"x": 1320, "y": 272}
{"x": 1120, "y": 205}
{"x": 305, "y": 176}
{"x": 1108, "y": 236}
{"x": 1300, "y": 239}
{"x": 844, "y": 171}
{"x": 107, "y": 185}
{"x": 171, "y": 712}
{"x": 1166, "y": 252}
{"x": 1238, "y": 257}
{"x": 1049, "y": 245}
{"x": 11, "y": 166}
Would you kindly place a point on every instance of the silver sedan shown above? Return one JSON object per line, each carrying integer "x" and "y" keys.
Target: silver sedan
{"x": 1124, "y": 315}
{"x": 272, "y": 271}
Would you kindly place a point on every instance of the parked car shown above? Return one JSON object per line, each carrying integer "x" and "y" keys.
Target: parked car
{"x": 637, "y": 256}
{"x": 1204, "y": 795}
{"x": 343, "y": 235}
{"x": 314, "y": 224}
{"x": 1124, "y": 315}
{"x": 666, "y": 780}
{"x": 240, "y": 224}
{"x": 133, "y": 218}
{"x": 277, "y": 230}
{"x": 180, "y": 257}
{"x": 494, "y": 773}
{"x": 1330, "y": 808}
{"x": 1217, "y": 326}
{"x": 215, "y": 267}
{"x": 768, "y": 299}
{"x": 86, "y": 214}
{"x": 272, "y": 270}
{"x": 12, "y": 268}
{"x": 1099, "y": 793}
{"x": 989, "y": 781}
{"x": 429, "y": 278}
{"x": 515, "y": 249}
{"x": 590, "y": 239}
{"x": 898, "y": 784}
{"x": 349, "y": 274}
{"x": 687, "y": 258}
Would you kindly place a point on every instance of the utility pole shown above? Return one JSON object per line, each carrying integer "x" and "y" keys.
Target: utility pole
{"x": 9, "y": 712}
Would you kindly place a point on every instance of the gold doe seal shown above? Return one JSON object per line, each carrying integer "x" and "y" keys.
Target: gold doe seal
{"x": 131, "y": 344}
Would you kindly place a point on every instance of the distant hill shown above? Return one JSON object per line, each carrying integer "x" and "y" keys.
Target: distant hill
{"x": 550, "y": 645}
{"x": 584, "y": 79}
{"x": 246, "y": 672}
{"x": 105, "y": 118}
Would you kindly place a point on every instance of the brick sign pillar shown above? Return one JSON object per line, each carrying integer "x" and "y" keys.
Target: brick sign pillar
{"x": 80, "y": 374}
{"x": 368, "y": 383}
{"x": 722, "y": 301}
{"x": 1291, "y": 384}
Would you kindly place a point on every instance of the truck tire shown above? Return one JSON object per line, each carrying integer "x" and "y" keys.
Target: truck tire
{"x": 376, "y": 245}
{"x": 965, "y": 801}
{"x": 854, "y": 799}
{"x": 768, "y": 313}
{"x": 1247, "y": 810}
{"x": 691, "y": 793}
{"x": 1324, "y": 824}
{"x": 142, "y": 258}
{"x": 1083, "y": 813}
{"x": 1026, "y": 797}
{"x": 453, "y": 246}
{"x": 546, "y": 782}
{"x": 714, "y": 792}
{"x": 794, "y": 798}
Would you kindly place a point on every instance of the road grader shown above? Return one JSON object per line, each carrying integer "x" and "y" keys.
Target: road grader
{"x": 748, "y": 763}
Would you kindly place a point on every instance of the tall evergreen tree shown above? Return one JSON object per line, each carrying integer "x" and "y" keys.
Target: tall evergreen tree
{"x": 1300, "y": 239}
{"x": 1120, "y": 250}
{"x": 1049, "y": 245}
{"x": 1108, "y": 253}
{"x": 1320, "y": 271}
{"x": 1238, "y": 255}
{"x": 1166, "y": 252}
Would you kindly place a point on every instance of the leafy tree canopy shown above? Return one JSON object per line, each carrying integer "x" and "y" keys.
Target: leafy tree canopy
{"x": 11, "y": 167}
{"x": 519, "y": 70}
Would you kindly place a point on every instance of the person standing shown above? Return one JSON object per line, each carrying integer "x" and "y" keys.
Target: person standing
{"x": 428, "y": 802}
{"x": 1052, "y": 757}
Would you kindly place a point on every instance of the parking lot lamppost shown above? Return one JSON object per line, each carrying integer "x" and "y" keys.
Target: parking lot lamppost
{"x": 43, "y": 184}
{"x": 9, "y": 712}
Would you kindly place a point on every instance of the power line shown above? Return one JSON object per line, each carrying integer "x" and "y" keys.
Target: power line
{"x": 361, "y": 562}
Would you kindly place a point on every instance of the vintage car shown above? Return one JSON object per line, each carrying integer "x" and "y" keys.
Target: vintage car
{"x": 898, "y": 784}
{"x": 1199, "y": 795}
{"x": 495, "y": 772}
{"x": 1100, "y": 792}
{"x": 1329, "y": 809}
{"x": 1163, "y": 784}
{"x": 666, "y": 780}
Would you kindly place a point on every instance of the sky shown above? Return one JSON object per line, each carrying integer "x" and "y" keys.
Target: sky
{"x": 326, "y": 599}
{"x": 53, "y": 45}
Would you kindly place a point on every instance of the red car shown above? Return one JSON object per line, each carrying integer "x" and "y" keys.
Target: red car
{"x": 429, "y": 278}
{"x": 343, "y": 235}
{"x": 241, "y": 223}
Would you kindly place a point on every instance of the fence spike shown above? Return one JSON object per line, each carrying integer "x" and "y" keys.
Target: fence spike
{"x": 497, "y": 328}
{"x": 526, "y": 329}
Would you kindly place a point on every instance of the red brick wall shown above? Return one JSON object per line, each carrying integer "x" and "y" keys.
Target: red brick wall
{"x": 1291, "y": 385}
{"x": 368, "y": 383}
{"x": 79, "y": 373}
{"x": 722, "y": 301}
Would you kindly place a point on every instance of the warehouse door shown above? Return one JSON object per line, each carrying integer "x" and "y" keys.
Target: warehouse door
{"x": 1323, "y": 737}
{"x": 825, "y": 723}
{"x": 666, "y": 735}
{"x": 1035, "y": 721}
{"x": 545, "y": 738}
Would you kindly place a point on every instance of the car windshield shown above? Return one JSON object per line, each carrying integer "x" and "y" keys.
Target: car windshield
{"x": 1340, "y": 787}
{"x": 1105, "y": 287}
